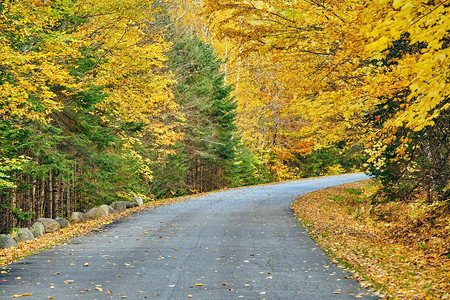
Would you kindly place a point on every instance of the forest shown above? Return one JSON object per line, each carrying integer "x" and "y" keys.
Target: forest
{"x": 106, "y": 100}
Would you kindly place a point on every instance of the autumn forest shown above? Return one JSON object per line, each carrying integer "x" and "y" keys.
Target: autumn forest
{"x": 107, "y": 100}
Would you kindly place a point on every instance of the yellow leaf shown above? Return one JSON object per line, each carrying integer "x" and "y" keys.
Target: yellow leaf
{"x": 21, "y": 295}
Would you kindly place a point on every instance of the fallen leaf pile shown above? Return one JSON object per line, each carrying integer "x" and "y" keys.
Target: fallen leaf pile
{"x": 402, "y": 250}
{"x": 50, "y": 240}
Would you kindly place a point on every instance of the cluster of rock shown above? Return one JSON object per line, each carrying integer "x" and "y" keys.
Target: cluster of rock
{"x": 47, "y": 225}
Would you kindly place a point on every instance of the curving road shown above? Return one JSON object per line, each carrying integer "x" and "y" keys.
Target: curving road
{"x": 238, "y": 244}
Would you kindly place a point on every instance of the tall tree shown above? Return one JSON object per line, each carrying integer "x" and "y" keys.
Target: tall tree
{"x": 209, "y": 130}
{"x": 341, "y": 63}
{"x": 86, "y": 103}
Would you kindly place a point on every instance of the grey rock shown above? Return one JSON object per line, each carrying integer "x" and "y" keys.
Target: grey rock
{"x": 92, "y": 214}
{"x": 77, "y": 217}
{"x": 138, "y": 201}
{"x": 50, "y": 225}
{"x": 99, "y": 212}
{"x": 122, "y": 205}
{"x": 7, "y": 242}
{"x": 23, "y": 235}
{"x": 63, "y": 222}
{"x": 105, "y": 210}
{"x": 111, "y": 210}
{"x": 130, "y": 204}
{"x": 37, "y": 229}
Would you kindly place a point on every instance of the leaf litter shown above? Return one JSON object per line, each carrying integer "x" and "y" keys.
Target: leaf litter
{"x": 399, "y": 249}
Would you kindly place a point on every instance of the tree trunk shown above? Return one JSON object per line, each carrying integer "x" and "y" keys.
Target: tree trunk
{"x": 50, "y": 195}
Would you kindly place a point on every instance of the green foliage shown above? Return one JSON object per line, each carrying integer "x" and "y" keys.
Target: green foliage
{"x": 21, "y": 215}
{"x": 210, "y": 140}
{"x": 354, "y": 191}
{"x": 423, "y": 165}
{"x": 170, "y": 175}
{"x": 7, "y": 167}
{"x": 18, "y": 214}
{"x": 337, "y": 198}
{"x": 335, "y": 159}
{"x": 247, "y": 169}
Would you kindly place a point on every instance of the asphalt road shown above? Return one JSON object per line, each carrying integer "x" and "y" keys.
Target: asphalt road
{"x": 238, "y": 244}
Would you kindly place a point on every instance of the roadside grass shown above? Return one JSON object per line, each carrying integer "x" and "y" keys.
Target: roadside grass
{"x": 401, "y": 250}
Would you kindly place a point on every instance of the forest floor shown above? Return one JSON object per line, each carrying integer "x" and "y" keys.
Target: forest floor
{"x": 402, "y": 250}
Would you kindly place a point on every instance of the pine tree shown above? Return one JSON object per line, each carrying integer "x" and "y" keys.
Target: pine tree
{"x": 209, "y": 130}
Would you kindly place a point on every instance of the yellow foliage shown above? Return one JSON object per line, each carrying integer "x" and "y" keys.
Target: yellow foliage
{"x": 315, "y": 62}
{"x": 139, "y": 91}
{"x": 33, "y": 60}
{"x": 39, "y": 52}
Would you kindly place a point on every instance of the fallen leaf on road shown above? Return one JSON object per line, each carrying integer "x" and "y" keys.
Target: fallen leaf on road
{"x": 21, "y": 295}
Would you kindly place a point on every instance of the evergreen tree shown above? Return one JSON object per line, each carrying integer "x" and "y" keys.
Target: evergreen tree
{"x": 209, "y": 130}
